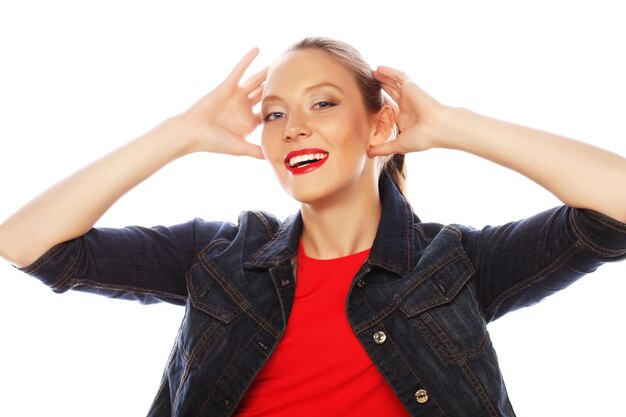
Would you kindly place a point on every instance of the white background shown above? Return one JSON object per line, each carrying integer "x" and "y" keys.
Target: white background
{"x": 78, "y": 79}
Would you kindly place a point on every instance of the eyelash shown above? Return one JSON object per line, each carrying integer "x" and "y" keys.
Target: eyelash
{"x": 327, "y": 105}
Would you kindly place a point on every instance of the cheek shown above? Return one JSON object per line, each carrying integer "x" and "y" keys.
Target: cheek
{"x": 269, "y": 145}
{"x": 274, "y": 153}
{"x": 347, "y": 130}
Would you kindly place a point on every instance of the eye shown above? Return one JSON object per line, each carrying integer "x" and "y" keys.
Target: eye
{"x": 273, "y": 116}
{"x": 324, "y": 105}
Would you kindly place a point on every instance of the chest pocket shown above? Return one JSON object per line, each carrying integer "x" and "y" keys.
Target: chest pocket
{"x": 209, "y": 311}
{"x": 209, "y": 295}
{"x": 441, "y": 304}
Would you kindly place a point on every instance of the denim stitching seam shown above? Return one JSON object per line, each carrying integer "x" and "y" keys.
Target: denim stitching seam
{"x": 239, "y": 299}
{"x": 67, "y": 274}
{"x": 126, "y": 288}
{"x": 533, "y": 279}
{"x": 589, "y": 242}
{"x": 419, "y": 382}
{"x": 607, "y": 221}
{"x": 397, "y": 300}
{"x": 421, "y": 232}
{"x": 399, "y": 353}
{"x": 263, "y": 220}
{"x": 43, "y": 260}
{"x": 480, "y": 389}
{"x": 226, "y": 368}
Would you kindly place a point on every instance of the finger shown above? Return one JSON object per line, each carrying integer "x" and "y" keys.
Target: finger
{"x": 391, "y": 82}
{"x": 385, "y": 149}
{"x": 397, "y": 75}
{"x": 255, "y": 80}
{"x": 394, "y": 93}
{"x": 241, "y": 67}
{"x": 255, "y": 95}
{"x": 389, "y": 85}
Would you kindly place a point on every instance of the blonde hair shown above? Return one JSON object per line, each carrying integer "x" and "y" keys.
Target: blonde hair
{"x": 370, "y": 88}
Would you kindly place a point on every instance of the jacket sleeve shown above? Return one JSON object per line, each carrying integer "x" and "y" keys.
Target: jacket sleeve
{"x": 143, "y": 264}
{"x": 520, "y": 263}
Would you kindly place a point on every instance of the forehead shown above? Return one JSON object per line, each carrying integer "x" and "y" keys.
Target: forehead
{"x": 298, "y": 69}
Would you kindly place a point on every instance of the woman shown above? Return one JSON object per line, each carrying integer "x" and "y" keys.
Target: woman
{"x": 355, "y": 261}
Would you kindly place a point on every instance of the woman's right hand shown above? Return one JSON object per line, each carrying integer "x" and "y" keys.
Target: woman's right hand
{"x": 220, "y": 121}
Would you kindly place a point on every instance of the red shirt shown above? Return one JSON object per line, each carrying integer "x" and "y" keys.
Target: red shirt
{"x": 319, "y": 368}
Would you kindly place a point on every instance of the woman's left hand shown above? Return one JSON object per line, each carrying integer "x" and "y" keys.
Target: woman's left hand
{"x": 578, "y": 174}
{"x": 417, "y": 114}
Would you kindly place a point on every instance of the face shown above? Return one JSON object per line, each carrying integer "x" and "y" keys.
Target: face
{"x": 316, "y": 130}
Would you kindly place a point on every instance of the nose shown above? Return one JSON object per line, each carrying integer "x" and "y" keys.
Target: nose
{"x": 297, "y": 128}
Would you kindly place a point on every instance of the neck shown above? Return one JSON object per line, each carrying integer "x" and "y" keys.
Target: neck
{"x": 343, "y": 226}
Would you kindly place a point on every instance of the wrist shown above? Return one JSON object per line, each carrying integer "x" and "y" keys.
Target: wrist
{"x": 178, "y": 135}
{"x": 444, "y": 133}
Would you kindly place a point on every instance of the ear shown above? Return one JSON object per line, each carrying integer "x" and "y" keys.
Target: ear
{"x": 384, "y": 122}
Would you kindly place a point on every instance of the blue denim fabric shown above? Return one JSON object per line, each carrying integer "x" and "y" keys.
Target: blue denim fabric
{"x": 431, "y": 289}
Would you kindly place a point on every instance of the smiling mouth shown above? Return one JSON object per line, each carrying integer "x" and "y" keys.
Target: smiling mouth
{"x": 305, "y": 160}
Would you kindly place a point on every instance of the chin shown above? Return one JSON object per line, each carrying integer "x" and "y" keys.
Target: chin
{"x": 320, "y": 194}
{"x": 325, "y": 185}
{"x": 309, "y": 197}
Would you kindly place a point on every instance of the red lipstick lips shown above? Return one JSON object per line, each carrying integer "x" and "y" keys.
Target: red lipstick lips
{"x": 305, "y": 160}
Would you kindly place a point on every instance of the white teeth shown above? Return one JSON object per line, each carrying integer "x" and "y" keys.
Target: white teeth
{"x": 307, "y": 157}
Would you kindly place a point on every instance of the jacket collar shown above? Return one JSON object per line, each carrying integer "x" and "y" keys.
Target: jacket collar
{"x": 393, "y": 247}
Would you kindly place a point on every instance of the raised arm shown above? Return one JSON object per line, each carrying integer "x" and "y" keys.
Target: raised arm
{"x": 219, "y": 123}
{"x": 579, "y": 174}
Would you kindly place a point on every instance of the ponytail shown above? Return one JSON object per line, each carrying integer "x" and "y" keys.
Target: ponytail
{"x": 395, "y": 168}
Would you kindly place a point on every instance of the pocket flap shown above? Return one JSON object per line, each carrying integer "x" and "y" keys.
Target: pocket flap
{"x": 208, "y": 295}
{"x": 437, "y": 284}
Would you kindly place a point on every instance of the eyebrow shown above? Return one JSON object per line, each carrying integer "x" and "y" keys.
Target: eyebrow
{"x": 306, "y": 90}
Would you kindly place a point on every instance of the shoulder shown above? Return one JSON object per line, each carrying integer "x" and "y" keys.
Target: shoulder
{"x": 260, "y": 221}
{"x": 253, "y": 228}
{"x": 428, "y": 231}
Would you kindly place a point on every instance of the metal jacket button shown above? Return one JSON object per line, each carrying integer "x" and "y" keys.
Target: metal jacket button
{"x": 380, "y": 337}
{"x": 421, "y": 396}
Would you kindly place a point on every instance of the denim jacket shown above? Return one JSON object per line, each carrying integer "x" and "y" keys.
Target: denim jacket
{"x": 419, "y": 305}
